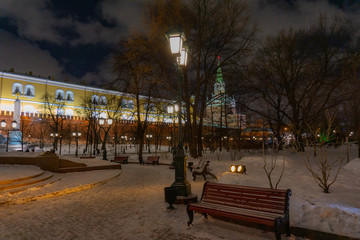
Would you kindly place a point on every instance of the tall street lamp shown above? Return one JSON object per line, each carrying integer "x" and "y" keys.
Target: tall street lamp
{"x": 102, "y": 123}
{"x": 183, "y": 187}
{"x": 77, "y": 136}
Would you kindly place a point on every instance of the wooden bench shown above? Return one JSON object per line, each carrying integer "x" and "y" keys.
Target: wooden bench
{"x": 152, "y": 160}
{"x": 87, "y": 157}
{"x": 120, "y": 159}
{"x": 202, "y": 170}
{"x": 197, "y": 166}
{"x": 248, "y": 204}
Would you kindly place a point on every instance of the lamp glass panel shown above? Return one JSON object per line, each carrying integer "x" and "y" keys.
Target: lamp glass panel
{"x": 110, "y": 121}
{"x": 176, "y": 107}
{"x": 74, "y": 134}
{"x": 101, "y": 121}
{"x": 170, "y": 109}
{"x": 183, "y": 57}
{"x": 175, "y": 43}
{"x": 14, "y": 124}
{"x": 239, "y": 168}
{"x": 3, "y": 123}
{"x": 232, "y": 168}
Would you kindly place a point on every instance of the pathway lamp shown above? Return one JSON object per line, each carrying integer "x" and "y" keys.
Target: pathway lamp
{"x": 103, "y": 123}
{"x": 176, "y": 38}
{"x": 3, "y": 125}
{"x": 77, "y": 136}
{"x": 238, "y": 169}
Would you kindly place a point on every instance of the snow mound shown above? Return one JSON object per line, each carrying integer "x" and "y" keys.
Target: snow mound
{"x": 353, "y": 166}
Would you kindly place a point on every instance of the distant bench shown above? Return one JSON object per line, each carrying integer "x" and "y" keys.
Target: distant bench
{"x": 202, "y": 170}
{"x": 120, "y": 159}
{"x": 152, "y": 160}
{"x": 87, "y": 157}
{"x": 248, "y": 204}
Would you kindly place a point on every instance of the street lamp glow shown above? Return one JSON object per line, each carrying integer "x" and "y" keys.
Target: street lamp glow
{"x": 170, "y": 109}
{"x": 176, "y": 107}
{"x": 109, "y": 121}
{"x": 101, "y": 121}
{"x": 14, "y": 124}
{"x": 3, "y": 123}
{"x": 182, "y": 60}
{"x": 176, "y": 38}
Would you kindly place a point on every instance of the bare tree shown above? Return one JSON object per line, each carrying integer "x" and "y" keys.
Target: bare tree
{"x": 323, "y": 169}
{"x": 297, "y": 75}
{"x": 54, "y": 109}
{"x": 139, "y": 71}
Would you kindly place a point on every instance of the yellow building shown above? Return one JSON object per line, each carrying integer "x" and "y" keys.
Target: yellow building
{"x": 30, "y": 90}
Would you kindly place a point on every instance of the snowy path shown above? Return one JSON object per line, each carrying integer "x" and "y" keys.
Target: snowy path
{"x": 130, "y": 206}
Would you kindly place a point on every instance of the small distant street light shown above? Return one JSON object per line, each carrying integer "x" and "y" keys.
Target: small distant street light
{"x": 3, "y": 125}
{"x": 103, "y": 124}
{"x": 77, "y": 136}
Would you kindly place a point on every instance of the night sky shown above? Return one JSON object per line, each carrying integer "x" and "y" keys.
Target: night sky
{"x": 73, "y": 39}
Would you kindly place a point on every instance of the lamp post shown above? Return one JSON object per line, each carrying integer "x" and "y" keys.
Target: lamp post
{"x": 183, "y": 187}
{"x": 148, "y": 137}
{"x": 77, "y": 136}
{"x": 102, "y": 122}
{"x": 169, "y": 138}
{"x": 3, "y": 125}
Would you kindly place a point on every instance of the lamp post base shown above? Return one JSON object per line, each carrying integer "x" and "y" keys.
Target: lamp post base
{"x": 192, "y": 197}
{"x": 182, "y": 188}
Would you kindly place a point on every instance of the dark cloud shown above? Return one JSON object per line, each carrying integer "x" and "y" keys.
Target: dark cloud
{"x": 74, "y": 39}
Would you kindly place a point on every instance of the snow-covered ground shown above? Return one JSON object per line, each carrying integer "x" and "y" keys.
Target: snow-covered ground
{"x": 132, "y": 205}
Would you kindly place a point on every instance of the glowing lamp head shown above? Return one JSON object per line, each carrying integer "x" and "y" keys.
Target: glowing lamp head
{"x": 238, "y": 169}
{"x": 101, "y": 121}
{"x": 14, "y": 124}
{"x": 3, "y": 123}
{"x": 176, "y": 38}
{"x": 110, "y": 121}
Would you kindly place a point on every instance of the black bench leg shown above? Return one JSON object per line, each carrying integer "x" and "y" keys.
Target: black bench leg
{"x": 190, "y": 214}
{"x": 205, "y": 215}
{"x": 277, "y": 227}
{"x": 204, "y": 175}
{"x": 194, "y": 176}
{"x": 287, "y": 227}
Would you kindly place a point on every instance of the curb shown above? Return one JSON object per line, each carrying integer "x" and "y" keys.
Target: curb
{"x": 316, "y": 235}
{"x": 57, "y": 193}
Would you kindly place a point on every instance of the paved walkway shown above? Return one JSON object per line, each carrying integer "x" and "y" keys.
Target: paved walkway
{"x": 130, "y": 206}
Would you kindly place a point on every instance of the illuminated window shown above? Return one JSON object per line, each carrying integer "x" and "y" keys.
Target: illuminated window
{"x": 59, "y": 94}
{"x": 103, "y": 100}
{"x": 95, "y": 99}
{"x": 17, "y": 88}
{"x": 29, "y": 91}
{"x": 124, "y": 103}
{"x": 131, "y": 104}
{"x": 69, "y": 96}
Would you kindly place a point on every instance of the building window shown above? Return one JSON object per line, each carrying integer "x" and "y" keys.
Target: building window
{"x": 152, "y": 107}
{"x": 124, "y": 117}
{"x": 69, "y": 96}
{"x": 60, "y": 112}
{"x": 124, "y": 103}
{"x": 59, "y": 94}
{"x": 103, "y": 100}
{"x": 131, "y": 104}
{"x": 29, "y": 91}
{"x": 95, "y": 99}
{"x": 17, "y": 88}
{"x": 69, "y": 112}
